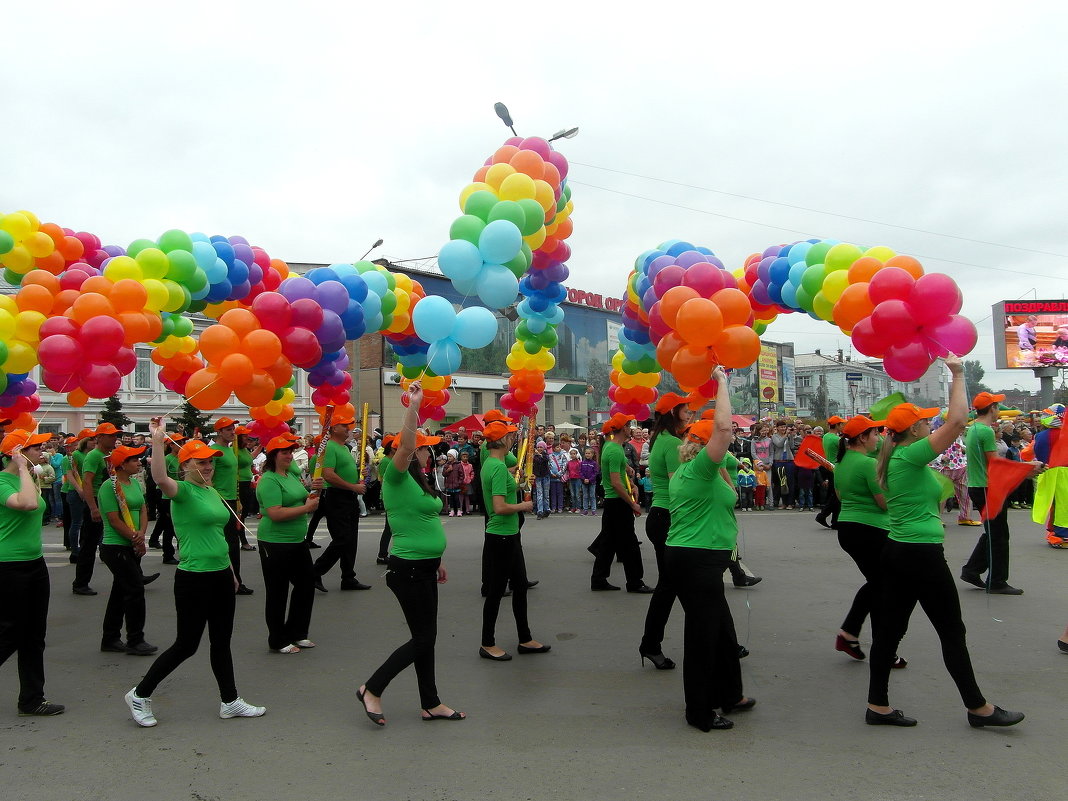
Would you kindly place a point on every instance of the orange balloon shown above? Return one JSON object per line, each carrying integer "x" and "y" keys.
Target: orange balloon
{"x": 53, "y": 262}
{"x": 98, "y": 284}
{"x": 666, "y": 349}
{"x": 64, "y": 300}
{"x": 206, "y": 391}
{"x": 733, "y": 305}
{"x": 551, "y": 175}
{"x": 155, "y": 326}
{"x": 129, "y": 295}
{"x": 237, "y": 369}
{"x": 263, "y": 347}
{"x": 863, "y": 269}
{"x": 504, "y": 154}
{"x": 54, "y": 232}
{"x": 852, "y": 307}
{"x": 77, "y": 398}
{"x": 529, "y": 163}
{"x": 89, "y": 305}
{"x": 280, "y": 372}
{"x": 564, "y": 228}
{"x": 672, "y": 302}
{"x": 241, "y": 321}
{"x": 480, "y": 174}
{"x": 42, "y": 278}
{"x": 699, "y": 322}
{"x": 738, "y": 346}
{"x": 135, "y": 327}
{"x": 908, "y": 264}
{"x": 217, "y": 342}
{"x": 34, "y": 297}
{"x": 343, "y": 411}
{"x": 71, "y": 248}
{"x": 691, "y": 366}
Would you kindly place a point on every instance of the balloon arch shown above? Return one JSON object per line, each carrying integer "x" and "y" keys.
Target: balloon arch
{"x": 81, "y": 306}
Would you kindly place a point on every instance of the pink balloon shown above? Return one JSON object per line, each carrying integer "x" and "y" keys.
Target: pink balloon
{"x": 705, "y": 278}
{"x": 668, "y": 278}
{"x": 60, "y": 354}
{"x": 892, "y": 320}
{"x": 890, "y": 283}
{"x": 101, "y": 337}
{"x": 933, "y": 297}
{"x": 906, "y": 362}
{"x": 954, "y": 334}
{"x": 60, "y": 382}
{"x": 101, "y": 380}
{"x": 867, "y": 341}
{"x": 125, "y": 360}
{"x": 306, "y": 314}
{"x": 273, "y": 311}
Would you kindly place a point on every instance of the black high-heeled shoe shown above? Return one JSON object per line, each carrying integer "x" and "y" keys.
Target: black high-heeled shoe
{"x": 660, "y": 662}
{"x": 376, "y": 718}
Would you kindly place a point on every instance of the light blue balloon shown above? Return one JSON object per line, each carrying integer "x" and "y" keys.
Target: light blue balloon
{"x": 376, "y": 282}
{"x": 797, "y": 253}
{"x": 475, "y": 327}
{"x": 536, "y": 325}
{"x": 196, "y": 236}
{"x": 524, "y": 310}
{"x": 443, "y": 358}
{"x": 557, "y": 316}
{"x": 460, "y": 260}
{"x": 467, "y": 287}
{"x": 372, "y": 307}
{"x": 205, "y": 255}
{"x": 789, "y": 295}
{"x": 374, "y": 321}
{"x": 497, "y": 286}
{"x": 500, "y": 241}
{"x": 217, "y": 271}
{"x": 434, "y": 318}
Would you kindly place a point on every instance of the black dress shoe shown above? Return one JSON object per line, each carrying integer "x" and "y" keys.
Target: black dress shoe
{"x": 141, "y": 649}
{"x": 532, "y": 584}
{"x": 743, "y": 652}
{"x": 600, "y": 586}
{"x": 973, "y": 579}
{"x": 1005, "y": 589}
{"x": 1000, "y": 717}
{"x": 382, "y": 560}
{"x": 748, "y": 581}
{"x": 146, "y": 580}
{"x": 83, "y": 590}
{"x": 741, "y": 706}
{"x": 1063, "y": 646}
{"x": 643, "y": 588}
{"x": 314, "y": 545}
{"x": 319, "y": 584}
{"x": 243, "y": 590}
{"x": 487, "y": 655}
{"x": 541, "y": 649}
{"x": 660, "y": 662}
{"x": 822, "y": 520}
{"x": 895, "y": 718}
{"x": 115, "y": 647}
{"x": 354, "y": 584}
{"x": 717, "y": 722}
{"x": 171, "y": 561}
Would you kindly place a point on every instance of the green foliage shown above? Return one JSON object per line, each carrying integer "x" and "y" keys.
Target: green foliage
{"x": 973, "y": 377}
{"x": 113, "y": 413}
{"x": 192, "y": 420}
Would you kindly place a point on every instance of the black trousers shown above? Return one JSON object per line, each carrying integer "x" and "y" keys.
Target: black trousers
{"x": 711, "y": 672}
{"x": 503, "y": 562}
{"x": 342, "y": 513}
{"x": 287, "y": 564}
{"x": 617, "y": 537}
{"x": 66, "y": 524}
{"x": 383, "y": 543}
{"x": 991, "y": 552}
{"x": 917, "y": 573}
{"x": 89, "y": 540}
{"x": 783, "y": 480}
{"x": 163, "y": 531}
{"x": 864, "y": 544}
{"x": 660, "y": 602}
{"x": 415, "y": 583}
{"x": 201, "y": 600}
{"x": 249, "y": 504}
{"x": 832, "y": 504}
{"x": 24, "y": 591}
{"x": 233, "y": 540}
{"x": 127, "y": 598}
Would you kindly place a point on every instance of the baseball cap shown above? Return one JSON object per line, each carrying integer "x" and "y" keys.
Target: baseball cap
{"x": 343, "y": 420}
{"x": 106, "y": 428}
{"x": 85, "y": 433}
{"x": 196, "y": 449}
{"x": 700, "y": 430}
{"x": 280, "y": 443}
{"x": 617, "y": 422}
{"x": 389, "y": 441}
{"x": 122, "y": 453}
{"x": 669, "y": 400}
{"x": 496, "y": 416}
{"x": 21, "y": 438}
{"x": 499, "y": 429}
{"x": 243, "y": 430}
{"x": 985, "y": 399}
{"x": 224, "y": 422}
{"x": 835, "y": 420}
{"x": 425, "y": 441}
{"x": 857, "y": 425}
{"x": 906, "y": 414}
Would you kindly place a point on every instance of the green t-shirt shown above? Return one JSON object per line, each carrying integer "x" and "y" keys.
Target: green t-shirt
{"x": 613, "y": 460}
{"x": 94, "y": 463}
{"x": 78, "y": 460}
{"x": 730, "y": 461}
{"x": 855, "y": 483}
{"x": 663, "y": 461}
{"x": 107, "y": 502}
{"x": 20, "y": 532}
{"x": 244, "y": 464}
{"x": 275, "y": 490}
{"x": 173, "y": 469}
{"x": 830, "y": 449}
{"x": 978, "y": 442}
{"x": 497, "y": 479}
{"x": 199, "y": 517}
{"x": 340, "y": 459}
{"x": 65, "y": 466}
{"x": 294, "y": 470}
{"x": 414, "y": 516}
{"x": 913, "y": 495}
{"x": 510, "y": 459}
{"x": 702, "y": 506}
{"x": 225, "y": 477}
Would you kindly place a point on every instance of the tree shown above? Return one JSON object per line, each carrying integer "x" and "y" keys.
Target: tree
{"x": 973, "y": 377}
{"x": 597, "y": 377}
{"x": 113, "y": 413}
{"x": 820, "y": 407}
{"x": 192, "y": 420}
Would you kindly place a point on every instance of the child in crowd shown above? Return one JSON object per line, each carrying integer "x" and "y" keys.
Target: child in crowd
{"x": 574, "y": 480}
{"x": 453, "y": 475}
{"x": 466, "y": 482}
{"x": 557, "y": 477}
{"x": 761, "y": 493}
{"x": 646, "y": 482}
{"x": 589, "y": 472}
{"x": 746, "y": 484}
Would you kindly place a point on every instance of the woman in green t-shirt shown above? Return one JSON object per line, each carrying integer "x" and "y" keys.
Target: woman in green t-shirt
{"x": 120, "y": 501}
{"x": 700, "y": 544}
{"x": 284, "y": 555}
{"x": 246, "y": 493}
{"x": 415, "y": 568}
{"x": 204, "y": 583}
{"x": 24, "y": 586}
{"x": 673, "y": 414}
{"x": 914, "y": 568}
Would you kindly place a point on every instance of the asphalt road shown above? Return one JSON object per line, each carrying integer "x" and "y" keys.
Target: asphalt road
{"x": 583, "y": 722}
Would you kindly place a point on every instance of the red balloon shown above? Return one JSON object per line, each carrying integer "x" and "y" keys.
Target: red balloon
{"x": 890, "y": 283}
{"x": 954, "y": 334}
{"x": 867, "y": 341}
{"x": 101, "y": 380}
{"x": 60, "y": 354}
{"x": 300, "y": 346}
{"x": 906, "y": 362}
{"x": 101, "y": 337}
{"x": 670, "y": 276}
{"x": 893, "y": 320}
{"x": 125, "y": 360}
{"x": 306, "y": 314}
{"x": 706, "y": 278}
{"x": 934, "y": 296}
{"x": 273, "y": 311}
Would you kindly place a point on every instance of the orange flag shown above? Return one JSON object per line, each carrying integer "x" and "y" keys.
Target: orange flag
{"x": 1058, "y": 451}
{"x": 1002, "y": 477}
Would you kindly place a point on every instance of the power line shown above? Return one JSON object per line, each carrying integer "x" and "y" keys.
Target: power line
{"x": 820, "y": 211}
{"x": 804, "y": 233}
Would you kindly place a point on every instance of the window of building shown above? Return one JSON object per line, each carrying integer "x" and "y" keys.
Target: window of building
{"x": 567, "y": 403}
{"x": 497, "y": 399}
{"x": 143, "y": 371}
{"x": 804, "y": 381}
{"x": 476, "y": 403}
{"x": 550, "y": 418}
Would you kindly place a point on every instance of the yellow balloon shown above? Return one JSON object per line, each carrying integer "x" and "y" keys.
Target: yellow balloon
{"x": 7, "y": 323}
{"x": 649, "y": 379}
{"x": 288, "y": 396}
{"x": 8, "y": 304}
{"x": 18, "y": 225}
{"x": 18, "y": 259}
{"x": 823, "y": 307}
{"x": 517, "y": 186}
{"x": 175, "y": 295}
{"x": 627, "y": 381}
{"x": 35, "y": 223}
{"x": 21, "y": 357}
{"x": 122, "y": 267}
{"x": 496, "y": 174}
{"x": 400, "y": 322}
{"x": 536, "y": 239}
{"x": 513, "y": 361}
{"x": 154, "y": 262}
{"x": 168, "y": 347}
{"x": 546, "y": 361}
{"x": 543, "y": 193}
{"x": 28, "y": 326}
{"x": 834, "y": 285}
{"x": 403, "y": 282}
{"x": 404, "y": 302}
{"x": 39, "y": 244}
{"x": 433, "y": 383}
{"x": 187, "y": 345}
{"x": 617, "y": 360}
{"x": 880, "y": 252}
{"x": 157, "y": 294}
{"x": 551, "y": 228}
{"x": 274, "y": 407}
{"x": 470, "y": 189}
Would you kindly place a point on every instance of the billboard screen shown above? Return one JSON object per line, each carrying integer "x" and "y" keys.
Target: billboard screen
{"x": 1030, "y": 333}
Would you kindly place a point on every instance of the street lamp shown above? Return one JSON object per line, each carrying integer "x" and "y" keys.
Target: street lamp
{"x": 506, "y": 118}
{"x": 377, "y": 244}
{"x": 564, "y": 133}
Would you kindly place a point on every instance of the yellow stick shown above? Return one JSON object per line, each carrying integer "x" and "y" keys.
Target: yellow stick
{"x": 363, "y": 438}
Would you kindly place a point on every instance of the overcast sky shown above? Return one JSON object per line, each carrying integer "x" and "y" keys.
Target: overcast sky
{"x": 313, "y": 129}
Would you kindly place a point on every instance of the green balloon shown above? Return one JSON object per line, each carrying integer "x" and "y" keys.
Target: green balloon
{"x": 391, "y": 280}
{"x": 183, "y": 326}
{"x": 812, "y": 279}
{"x": 197, "y": 281}
{"x": 175, "y": 240}
{"x": 532, "y": 345}
{"x": 364, "y": 266}
{"x": 3, "y": 358}
{"x": 519, "y": 265}
{"x": 804, "y": 300}
{"x": 648, "y": 364}
{"x": 12, "y": 277}
{"x": 522, "y": 333}
{"x": 480, "y": 204}
{"x": 630, "y": 367}
{"x": 548, "y": 337}
{"x": 198, "y": 305}
{"x": 468, "y": 227}
{"x": 411, "y": 372}
{"x": 168, "y": 328}
{"x": 533, "y": 216}
{"x": 182, "y": 266}
{"x": 387, "y": 319}
{"x": 141, "y": 244}
{"x": 277, "y": 395}
{"x": 816, "y": 253}
{"x": 508, "y": 210}
{"x": 842, "y": 256}
{"x": 7, "y": 241}
{"x": 389, "y": 303}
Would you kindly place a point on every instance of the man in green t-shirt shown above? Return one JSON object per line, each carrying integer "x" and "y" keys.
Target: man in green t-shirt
{"x": 163, "y": 532}
{"x": 620, "y": 508}
{"x": 340, "y": 507}
{"x": 94, "y": 472}
{"x": 831, "y": 504}
{"x": 224, "y": 479}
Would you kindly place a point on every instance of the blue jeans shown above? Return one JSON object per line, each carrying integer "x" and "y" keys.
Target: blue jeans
{"x": 575, "y": 488}
{"x": 556, "y": 494}
{"x": 541, "y": 502}
{"x": 589, "y": 497}
{"x": 57, "y": 500}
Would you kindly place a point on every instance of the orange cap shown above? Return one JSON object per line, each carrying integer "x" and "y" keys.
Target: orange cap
{"x": 617, "y": 422}
{"x": 388, "y": 441}
{"x": 984, "y": 399}
{"x": 85, "y": 433}
{"x": 669, "y": 400}
{"x": 906, "y": 414}
{"x": 343, "y": 420}
{"x": 835, "y": 420}
{"x": 280, "y": 443}
{"x": 243, "y": 430}
{"x": 424, "y": 441}
{"x": 496, "y": 416}
{"x": 24, "y": 439}
{"x": 196, "y": 449}
{"x": 700, "y": 431}
{"x": 499, "y": 429}
{"x": 122, "y": 453}
{"x": 856, "y": 426}
{"x": 224, "y": 422}
{"x": 105, "y": 428}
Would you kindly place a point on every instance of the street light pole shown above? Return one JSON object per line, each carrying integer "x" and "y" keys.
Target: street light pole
{"x": 377, "y": 244}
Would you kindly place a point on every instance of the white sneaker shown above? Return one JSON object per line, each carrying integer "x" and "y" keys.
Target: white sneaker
{"x": 305, "y": 643}
{"x": 238, "y": 708}
{"x": 141, "y": 709}
{"x": 288, "y": 649}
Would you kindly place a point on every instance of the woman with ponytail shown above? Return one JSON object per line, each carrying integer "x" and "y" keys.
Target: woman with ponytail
{"x": 914, "y": 568}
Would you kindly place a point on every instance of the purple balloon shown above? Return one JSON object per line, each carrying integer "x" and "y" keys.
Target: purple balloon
{"x": 772, "y": 250}
{"x": 238, "y": 240}
{"x": 333, "y": 296}
{"x": 764, "y": 268}
{"x": 658, "y": 264}
{"x": 715, "y": 261}
{"x": 298, "y": 288}
{"x": 649, "y": 298}
{"x": 242, "y": 250}
{"x": 331, "y": 334}
{"x": 760, "y": 294}
{"x": 689, "y": 258}
{"x": 557, "y": 160}
{"x": 538, "y": 280}
{"x": 557, "y": 272}
{"x": 255, "y": 274}
{"x": 336, "y": 378}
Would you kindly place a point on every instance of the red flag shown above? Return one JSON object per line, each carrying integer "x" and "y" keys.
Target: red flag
{"x": 1058, "y": 451}
{"x": 810, "y": 448}
{"x": 1002, "y": 477}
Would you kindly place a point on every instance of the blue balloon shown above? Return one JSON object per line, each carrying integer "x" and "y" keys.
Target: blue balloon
{"x": 355, "y": 284}
{"x": 444, "y": 356}
{"x": 219, "y": 292}
{"x": 196, "y": 236}
{"x": 239, "y": 291}
{"x": 789, "y": 295}
{"x": 499, "y": 242}
{"x": 205, "y": 255}
{"x": 797, "y": 271}
{"x": 460, "y": 260}
{"x": 374, "y": 321}
{"x": 779, "y": 271}
{"x": 376, "y": 282}
{"x": 497, "y": 286}
{"x": 372, "y": 306}
{"x": 238, "y": 272}
{"x": 224, "y": 250}
{"x": 475, "y": 327}
{"x": 798, "y": 252}
{"x": 433, "y": 318}
{"x": 320, "y": 274}
{"x": 353, "y": 315}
